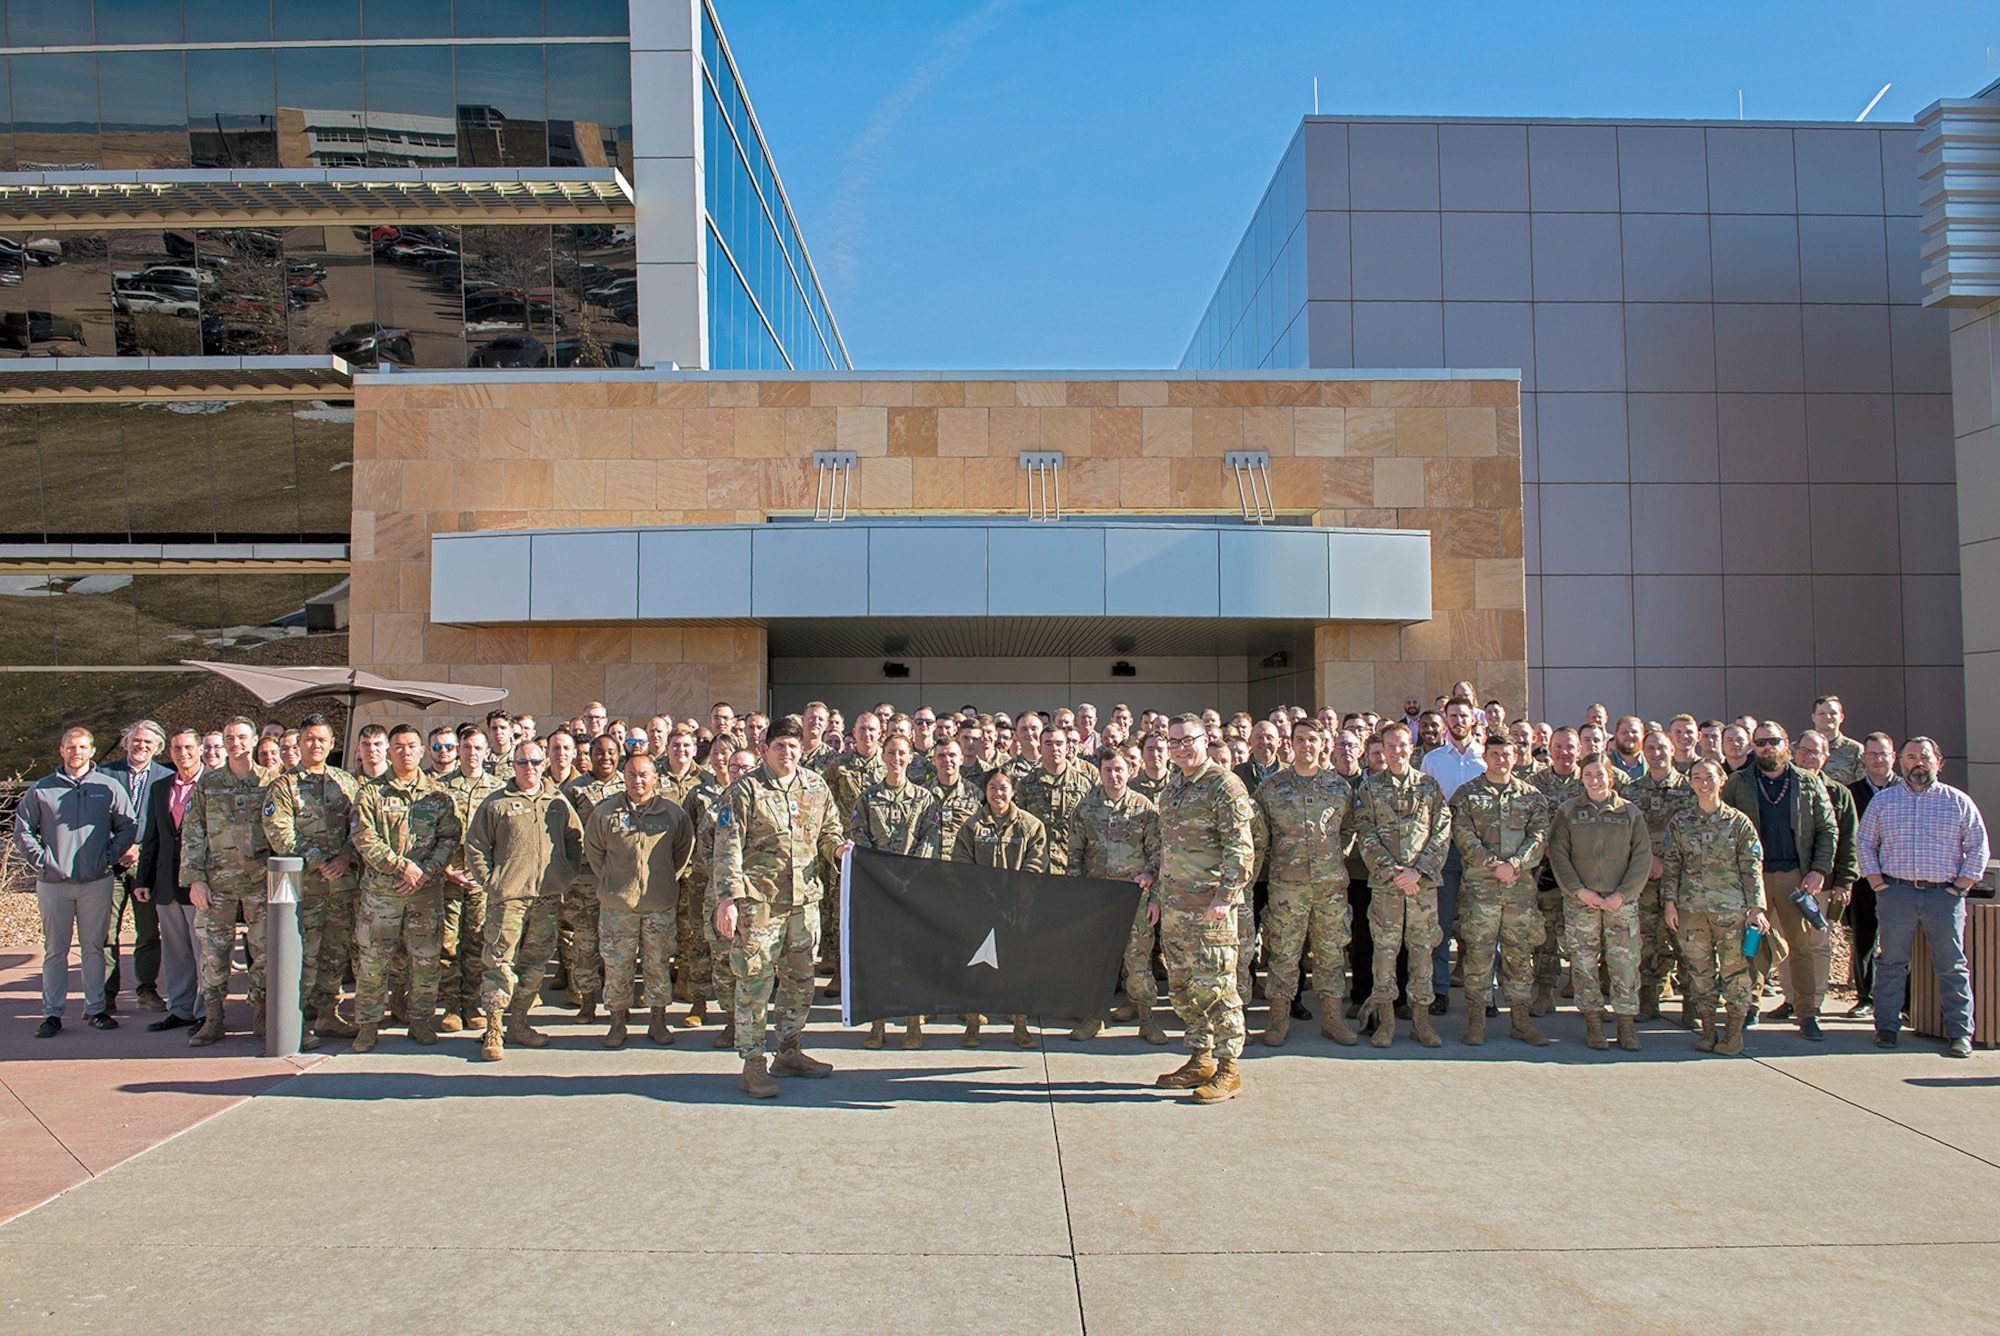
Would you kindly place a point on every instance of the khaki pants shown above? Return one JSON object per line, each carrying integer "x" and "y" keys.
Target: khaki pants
{"x": 1803, "y": 975}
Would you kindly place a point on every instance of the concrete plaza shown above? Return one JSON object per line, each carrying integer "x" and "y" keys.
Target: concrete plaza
{"x": 1823, "y": 1188}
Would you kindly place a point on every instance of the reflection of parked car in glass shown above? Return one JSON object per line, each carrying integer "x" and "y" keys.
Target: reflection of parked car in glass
{"x": 223, "y": 338}
{"x": 370, "y": 344}
{"x": 510, "y": 350}
{"x": 133, "y": 300}
{"x": 301, "y": 293}
{"x": 23, "y": 329}
{"x": 505, "y": 306}
{"x": 621, "y": 352}
{"x": 306, "y": 271}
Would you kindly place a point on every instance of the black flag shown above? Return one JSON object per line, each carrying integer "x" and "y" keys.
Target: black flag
{"x": 921, "y": 937}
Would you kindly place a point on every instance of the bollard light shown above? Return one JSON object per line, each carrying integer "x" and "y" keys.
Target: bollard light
{"x": 283, "y": 1024}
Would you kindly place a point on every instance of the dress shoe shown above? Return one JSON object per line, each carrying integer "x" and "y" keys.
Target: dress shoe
{"x": 1781, "y": 1012}
{"x": 100, "y": 1021}
{"x": 1440, "y": 1004}
{"x": 171, "y": 1022}
{"x": 50, "y": 1027}
{"x": 1809, "y": 1029}
{"x": 1958, "y": 1048}
{"x": 1885, "y": 1039}
{"x": 150, "y": 999}
{"x": 1299, "y": 1012}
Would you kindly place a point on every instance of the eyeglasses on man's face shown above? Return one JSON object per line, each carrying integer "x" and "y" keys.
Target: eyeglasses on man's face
{"x": 1769, "y": 742}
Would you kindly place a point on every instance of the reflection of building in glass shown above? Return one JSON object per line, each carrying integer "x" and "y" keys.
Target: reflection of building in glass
{"x": 316, "y": 137}
{"x": 488, "y": 138}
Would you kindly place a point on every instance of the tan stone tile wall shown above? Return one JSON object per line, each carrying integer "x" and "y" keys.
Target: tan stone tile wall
{"x": 1441, "y": 455}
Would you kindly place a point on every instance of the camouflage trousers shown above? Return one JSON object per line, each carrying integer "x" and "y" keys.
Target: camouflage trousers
{"x": 1550, "y": 904}
{"x": 773, "y": 955}
{"x": 1608, "y": 937}
{"x": 1202, "y": 977}
{"x": 1397, "y": 921}
{"x": 463, "y": 965}
{"x": 1141, "y": 988}
{"x": 1246, "y": 947}
{"x": 828, "y": 915}
{"x": 694, "y": 967}
{"x": 1503, "y": 921}
{"x": 520, "y": 937}
{"x": 326, "y": 945}
{"x": 721, "y": 975}
{"x": 384, "y": 922}
{"x": 215, "y": 930}
{"x": 628, "y": 935}
{"x": 1712, "y": 947}
{"x": 1301, "y": 912}
{"x": 1658, "y": 953}
{"x": 582, "y": 948}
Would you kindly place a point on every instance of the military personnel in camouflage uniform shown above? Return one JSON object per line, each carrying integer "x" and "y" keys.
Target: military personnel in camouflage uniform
{"x": 305, "y": 817}
{"x": 1843, "y": 754}
{"x": 959, "y": 796}
{"x": 405, "y": 830}
{"x": 894, "y": 816}
{"x": 1660, "y": 794}
{"x": 679, "y": 777}
{"x": 462, "y": 966}
{"x": 1713, "y": 885}
{"x": 1601, "y": 853}
{"x": 1301, "y": 821}
{"x": 777, "y": 827}
{"x": 1500, "y": 823}
{"x": 846, "y": 776}
{"x": 1149, "y": 781}
{"x": 703, "y": 805}
{"x": 1559, "y": 781}
{"x": 525, "y": 846}
{"x": 1001, "y": 835}
{"x": 1052, "y": 791}
{"x": 815, "y": 718}
{"x": 1403, "y": 829}
{"x": 1115, "y": 834}
{"x": 223, "y": 853}
{"x": 1207, "y": 858}
{"x": 636, "y": 845}
{"x": 582, "y": 951}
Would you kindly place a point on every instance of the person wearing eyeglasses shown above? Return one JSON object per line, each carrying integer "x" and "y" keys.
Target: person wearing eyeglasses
{"x": 462, "y": 968}
{"x": 1796, "y": 824}
{"x": 306, "y": 816}
{"x": 525, "y": 847}
{"x": 581, "y": 966}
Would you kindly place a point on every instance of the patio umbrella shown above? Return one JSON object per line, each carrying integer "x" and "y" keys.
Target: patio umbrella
{"x": 276, "y": 686}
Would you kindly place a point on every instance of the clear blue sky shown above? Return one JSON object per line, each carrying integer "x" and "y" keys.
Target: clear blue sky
{"x": 1023, "y": 183}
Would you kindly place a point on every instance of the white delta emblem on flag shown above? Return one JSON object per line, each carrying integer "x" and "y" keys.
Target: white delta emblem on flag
{"x": 988, "y": 953}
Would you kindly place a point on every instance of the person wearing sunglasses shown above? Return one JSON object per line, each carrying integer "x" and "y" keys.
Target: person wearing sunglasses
{"x": 441, "y": 754}
{"x": 462, "y": 967}
{"x": 525, "y": 847}
{"x": 1796, "y": 824}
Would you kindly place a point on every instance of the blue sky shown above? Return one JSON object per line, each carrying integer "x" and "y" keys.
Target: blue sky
{"x": 1023, "y": 183}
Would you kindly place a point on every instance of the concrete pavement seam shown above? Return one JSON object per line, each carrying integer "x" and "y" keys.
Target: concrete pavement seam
{"x": 29, "y": 1110}
{"x": 1894, "y": 1122}
{"x": 1062, "y": 1181}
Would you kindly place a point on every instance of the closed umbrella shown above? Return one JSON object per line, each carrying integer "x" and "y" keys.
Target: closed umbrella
{"x": 276, "y": 686}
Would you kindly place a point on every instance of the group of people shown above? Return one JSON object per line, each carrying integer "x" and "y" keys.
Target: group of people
{"x": 447, "y": 873}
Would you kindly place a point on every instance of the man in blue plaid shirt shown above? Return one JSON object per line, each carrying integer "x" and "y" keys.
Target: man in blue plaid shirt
{"x": 1923, "y": 846}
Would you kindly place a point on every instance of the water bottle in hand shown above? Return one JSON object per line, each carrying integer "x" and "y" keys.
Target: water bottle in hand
{"x": 1808, "y": 909}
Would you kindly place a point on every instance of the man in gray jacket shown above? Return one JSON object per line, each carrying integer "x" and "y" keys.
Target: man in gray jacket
{"x": 72, "y": 827}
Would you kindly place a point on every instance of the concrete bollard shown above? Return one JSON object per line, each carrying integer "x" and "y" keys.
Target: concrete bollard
{"x": 283, "y": 1024}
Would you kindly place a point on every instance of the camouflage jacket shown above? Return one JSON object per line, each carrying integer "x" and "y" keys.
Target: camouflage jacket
{"x": 701, "y": 807}
{"x": 677, "y": 791}
{"x": 1207, "y": 852}
{"x": 818, "y": 758}
{"x": 1843, "y": 759}
{"x": 584, "y": 794}
{"x": 892, "y": 820}
{"x": 955, "y": 806}
{"x": 1714, "y": 862}
{"x": 772, "y": 836}
{"x": 1660, "y": 800}
{"x": 1402, "y": 821}
{"x": 1559, "y": 789}
{"x": 466, "y": 795}
{"x": 222, "y": 832}
{"x": 305, "y": 816}
{"x": 1015, "y": 841}
{"x": 394, "y": 823}
{"x": 1116, "y": 841}
{"x": 1149, "y": 788}
{"x": 921, "y": 772}
{"x": 850, "y": 773}
{"x": 636, "y": 853}
{"x": 1300, "y": 824}
{"x": 1600, "y": 846}
{"x": 1491, "y": 823}
{"x": 1052, "y": 799}
{"x": 524, "y": 846}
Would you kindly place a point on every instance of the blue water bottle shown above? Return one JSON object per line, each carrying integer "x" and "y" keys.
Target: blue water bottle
{"x": 1753, "y": 937}
{"x": 1808, "y": 909}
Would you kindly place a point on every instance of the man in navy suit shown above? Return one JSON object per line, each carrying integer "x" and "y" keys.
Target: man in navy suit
{"x": 137, "y": 772}
{"x": 157, "y": 882}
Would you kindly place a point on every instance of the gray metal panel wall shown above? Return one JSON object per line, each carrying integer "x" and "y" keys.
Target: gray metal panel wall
{"x": 584, "y": 576}
{"x": 690, "y": 573}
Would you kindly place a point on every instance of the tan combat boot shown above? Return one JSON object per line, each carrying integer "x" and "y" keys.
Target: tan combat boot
{"x": 1221, "y": 1086}
{"x": 913, "y": 1032}
{"x": 1731, "y": 1042}
{"x": 756, "y": 1080}
{"x": 1692, "y": 1014}
{"x": 257, "y": 1015}
{"x": 1649, "y": 1003}
{"x": 1593, "y": 1030}
{"x": 1385, "y": 1021}
{"x": 795, "y": 1061}
{"x": 522, "y": 1033}
{"x": 614, "y": 1037}
{"x": 1524, "y": 1029}
{"x": 493, "y": 1048}
{"x": 1475, "y": 1022}
{"x": 364, "y": 1039}
{"x": 1086, "y": 1029}
{"x": 211, "y": 1027}
{"x": 1706, "y": 1044}
{"x": 1195, "y": 1072}
{"x": 309, "y": 1042}
{"x": 1149, "y": 1028}
{"x": 1420, "y": 1027}
{"x": 450, "y": 1023}
{"x": 1628, "y": 1037}
{"x": 970, "y": 1039}
{"x": 697, "y": 1014}
{"x": 1023, "y": 1037}
{"x": 1278, "y": 1024}
{"x": 726, "y": 1036}
{"x": 657, "y": 1028}
{"x": 1544, "y": 1000}
{"x": 330, "y": 1024}
{"x": 586, "y": 1011}
{"x": 1333, "y": 1025}
{"x": 878, "y": 1032}
{"x": 1125, "y": 1011}
{"x": 422, "y": 1032}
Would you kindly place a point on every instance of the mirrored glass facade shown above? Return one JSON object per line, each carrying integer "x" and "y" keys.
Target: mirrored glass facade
{"x": 1257, "y": 317}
